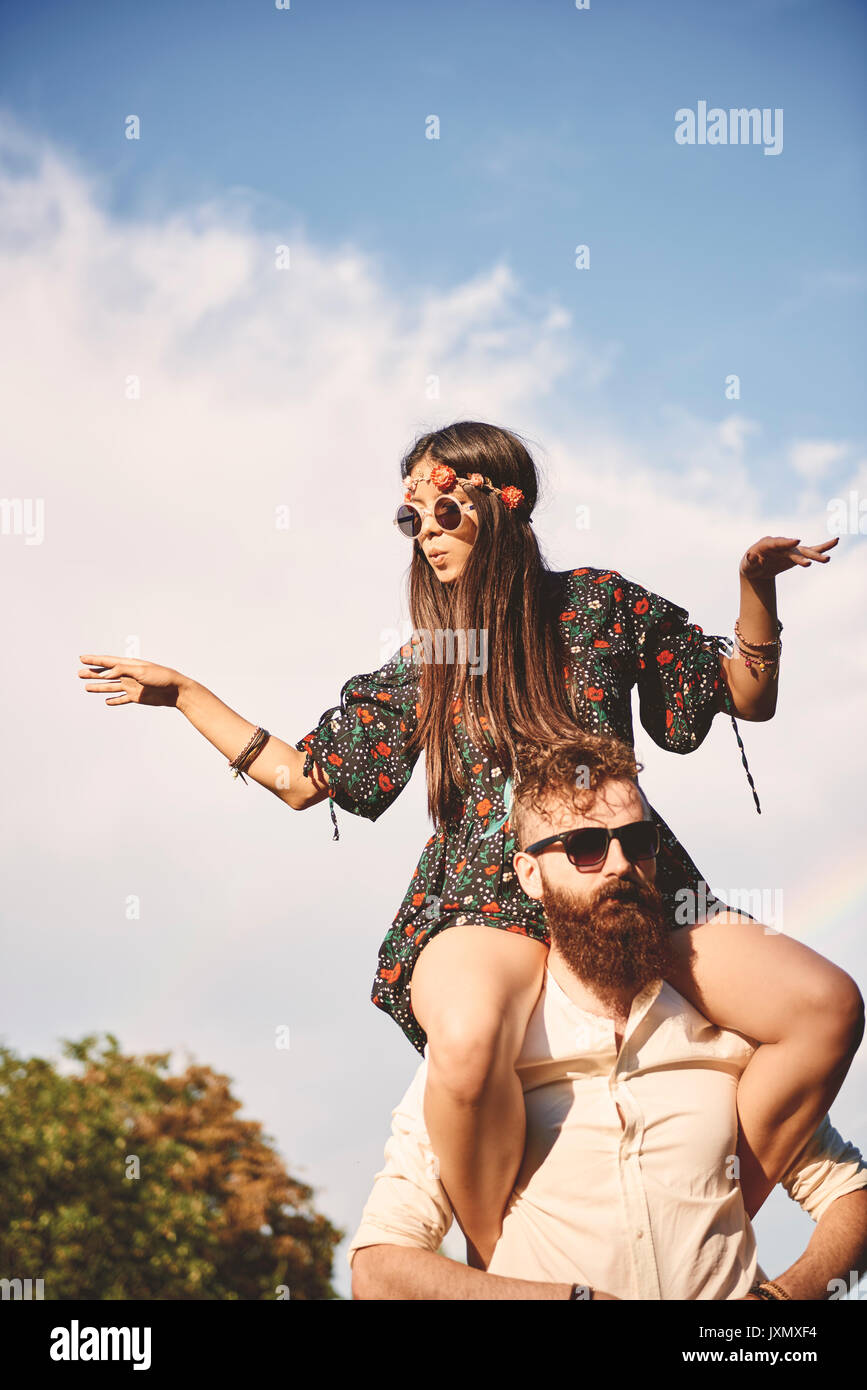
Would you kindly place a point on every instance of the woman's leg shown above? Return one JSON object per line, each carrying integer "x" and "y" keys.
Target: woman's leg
{"x": 473, "y": 990}
{"x": 807, "y": 1013}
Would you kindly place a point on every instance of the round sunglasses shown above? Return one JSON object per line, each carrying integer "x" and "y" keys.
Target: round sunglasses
{"x": 447, "y": 513}
{"x": 587, "y": 848}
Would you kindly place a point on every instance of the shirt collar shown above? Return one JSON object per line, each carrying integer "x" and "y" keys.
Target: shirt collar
{"x": 641, "y": 1004}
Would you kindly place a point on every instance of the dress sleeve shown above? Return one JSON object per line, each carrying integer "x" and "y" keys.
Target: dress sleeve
{"x": 678, "y": 673}
{"x": 359, "y": 743}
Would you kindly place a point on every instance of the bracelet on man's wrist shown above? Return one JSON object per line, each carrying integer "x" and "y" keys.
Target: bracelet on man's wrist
{"x": 767, "y": 1289}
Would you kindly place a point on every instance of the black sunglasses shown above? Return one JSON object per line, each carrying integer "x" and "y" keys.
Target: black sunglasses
{"x": 587, "y": 848}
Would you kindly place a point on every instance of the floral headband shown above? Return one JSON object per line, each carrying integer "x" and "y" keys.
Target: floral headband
{"x": 444, "y": 478}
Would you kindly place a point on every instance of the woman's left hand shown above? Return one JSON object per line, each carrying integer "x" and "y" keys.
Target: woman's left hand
{"x": 773, "y": 554}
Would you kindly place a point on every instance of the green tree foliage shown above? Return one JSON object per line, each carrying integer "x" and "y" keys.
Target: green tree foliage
{"x": 212, "y": 1214}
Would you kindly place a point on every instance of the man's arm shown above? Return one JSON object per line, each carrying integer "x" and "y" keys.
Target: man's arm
{"x": 838, "y": 1245}
{"x": 399, "y": 1272}
{"x": 829, "y": 1181}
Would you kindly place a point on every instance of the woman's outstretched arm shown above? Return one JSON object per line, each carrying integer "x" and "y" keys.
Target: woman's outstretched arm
{"x": 278, "y": 766}
{"x": 808, "y": 1015}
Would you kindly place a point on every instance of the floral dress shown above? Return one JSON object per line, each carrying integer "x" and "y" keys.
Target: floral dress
{"x": 617, "y": 635}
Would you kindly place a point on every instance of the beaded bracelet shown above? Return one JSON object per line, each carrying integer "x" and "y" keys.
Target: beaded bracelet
{"x": 753, "y": 652}
{"x": 771, "y": 1291}
{"x": 774, "y": 641}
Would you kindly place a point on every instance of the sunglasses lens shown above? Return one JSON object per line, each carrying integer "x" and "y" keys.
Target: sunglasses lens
{"x": 448, "y": 513}
{"x": 640, "y": 841}
{"x": 586, "y": 848}
{"x": 408, "y": 521}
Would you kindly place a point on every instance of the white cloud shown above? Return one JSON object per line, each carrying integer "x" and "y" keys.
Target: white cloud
{"x": 812, "y": 458}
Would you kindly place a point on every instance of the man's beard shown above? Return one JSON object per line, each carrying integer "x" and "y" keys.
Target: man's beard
{"x": 618, "y": 940}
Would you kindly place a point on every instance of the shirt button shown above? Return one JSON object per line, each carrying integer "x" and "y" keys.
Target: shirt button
{"x": 639, "y": 1234}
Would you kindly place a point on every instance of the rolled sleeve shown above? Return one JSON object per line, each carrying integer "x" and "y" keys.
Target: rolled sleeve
{"x": 407, "y": 1204}
{"x": 828, "y": 1167}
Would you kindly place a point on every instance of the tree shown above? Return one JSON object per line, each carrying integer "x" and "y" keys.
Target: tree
{"x": 121, "y": 1181}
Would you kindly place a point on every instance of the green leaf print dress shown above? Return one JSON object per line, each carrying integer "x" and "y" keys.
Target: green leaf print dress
{"x": 617, "y": 635}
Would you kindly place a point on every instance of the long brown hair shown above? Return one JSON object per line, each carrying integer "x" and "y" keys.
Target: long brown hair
{"x": 504, "y": 589}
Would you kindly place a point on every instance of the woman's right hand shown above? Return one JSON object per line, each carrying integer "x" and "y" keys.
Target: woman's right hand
{"x": 129, "y": 681}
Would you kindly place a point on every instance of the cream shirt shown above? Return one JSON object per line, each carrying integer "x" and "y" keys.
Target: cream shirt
{"x": 647, "y": 1209}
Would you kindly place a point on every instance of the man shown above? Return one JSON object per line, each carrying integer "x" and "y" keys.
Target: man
{"x": 629, "y": 1184}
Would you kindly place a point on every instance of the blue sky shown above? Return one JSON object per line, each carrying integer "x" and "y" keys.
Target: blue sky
{"x": 410, "y": 258}
{"x": 556, "y": 128}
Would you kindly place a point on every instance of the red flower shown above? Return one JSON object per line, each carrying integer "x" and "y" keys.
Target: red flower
{"x": 669, "y": 719}
{"x": 390, "y": 975}
{"x": 417, "y": 899}
{"x": 567, "y": 617}
{"x": 483, "y": 807}
{"x": 600, "y": 643}
{"x": 335, "y": 759}
{"x": 602, "y": 578}
{"x": 443, "y": 477}
{"x": 641, "y": 606}
{"x": 679, "y": 699}
{"x": 364, "y": 715}
{"x": 618, "y": 595}
{"x": 476, "y": 480}
{"x": 515, "y": 927}
{"x": 512, "y": 497}
{"x": 594, "y": 693}
{"x": 385, "y": 783}
{"x": 664, "y": 657}
{"x": 408, "y": 930}
{"x": 383, "y": 694}
{"x": 382, "y": 749}
{"x": 617, "y": 627}
{"x": 492, "y": 907}
{"x": 491, "y": 869}
{"x": 582, "y": 571}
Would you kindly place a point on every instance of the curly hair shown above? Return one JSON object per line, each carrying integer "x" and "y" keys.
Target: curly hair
{"x": 571, "y": 769}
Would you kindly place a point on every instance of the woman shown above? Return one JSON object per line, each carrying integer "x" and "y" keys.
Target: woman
{"x": 538, "y": 652}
